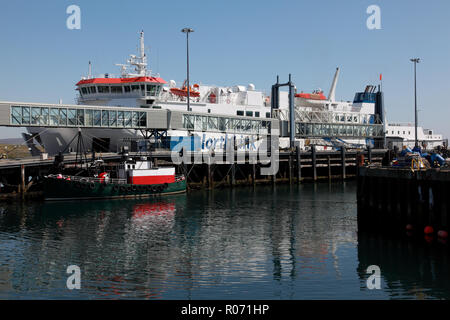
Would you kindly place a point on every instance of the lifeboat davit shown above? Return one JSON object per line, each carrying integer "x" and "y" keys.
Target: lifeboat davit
{"x": 183, "y": 92}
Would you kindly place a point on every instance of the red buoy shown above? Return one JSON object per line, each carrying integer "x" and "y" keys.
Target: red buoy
{"x": 428, "y": 230}
{"x": 442, "y": 234}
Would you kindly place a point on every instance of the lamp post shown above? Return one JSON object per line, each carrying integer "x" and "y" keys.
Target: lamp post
{"x": 187, "y": 31}
{"x": 416, "y": 61}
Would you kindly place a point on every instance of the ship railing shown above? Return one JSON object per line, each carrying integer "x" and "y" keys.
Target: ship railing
{"x": 88, "y": 179}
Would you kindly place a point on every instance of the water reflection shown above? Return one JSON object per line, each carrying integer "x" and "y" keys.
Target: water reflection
{"x": 251, "y": 243}
{"x": 410, "y": 269}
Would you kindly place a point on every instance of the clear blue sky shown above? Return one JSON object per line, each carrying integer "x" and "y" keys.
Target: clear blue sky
{"x": 235, "y": 42}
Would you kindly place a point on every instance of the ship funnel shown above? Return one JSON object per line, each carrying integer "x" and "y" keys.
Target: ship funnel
{"x": 332, "y": 94}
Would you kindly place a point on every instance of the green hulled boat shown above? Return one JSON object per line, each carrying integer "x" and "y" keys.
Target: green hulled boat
{"x": 70, "y": 187}
{"x": 58, "y": 187}
{"x": 132, "y": 179}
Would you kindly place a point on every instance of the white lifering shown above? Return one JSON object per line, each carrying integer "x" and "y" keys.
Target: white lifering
{"x": 228, "y": 101}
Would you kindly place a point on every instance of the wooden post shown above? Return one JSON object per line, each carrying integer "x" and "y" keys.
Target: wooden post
{"x": 298, "y": 164}
{"x": 22, "y": 180}
{"x": 290, "y": 167}
{"x": 329, "y": 167}
{"x": 210, "y": 183}
{"x": 343, "y": 161}
{"x": 233, "y": 174}
{"x": 254, "y": 174}
{"x": 443, "y": 207}
{"x": 185, "y": 171}
{"x": 313, "y": 160}
{"x": 274, "y": 179}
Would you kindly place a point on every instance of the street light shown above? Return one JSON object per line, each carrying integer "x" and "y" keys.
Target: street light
{"x": 416, "y": 61}
{"x": 187, "y": 31}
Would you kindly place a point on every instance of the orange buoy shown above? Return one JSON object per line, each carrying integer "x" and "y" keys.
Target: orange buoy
{"x": 428, "y": 230}
{"x": 442, "y": 234}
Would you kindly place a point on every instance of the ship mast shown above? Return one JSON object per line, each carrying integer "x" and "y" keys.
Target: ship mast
{"x": 139, "y": 62}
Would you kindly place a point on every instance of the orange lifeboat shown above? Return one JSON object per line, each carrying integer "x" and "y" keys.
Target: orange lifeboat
{"x": 316, "y": 95}
{"x": 183, "y": 92}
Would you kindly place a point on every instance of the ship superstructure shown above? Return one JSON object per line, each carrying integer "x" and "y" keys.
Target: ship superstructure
{"x": 216, "y": 112}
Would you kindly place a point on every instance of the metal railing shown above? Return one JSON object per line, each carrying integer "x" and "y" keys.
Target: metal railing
{"x": 88, "y": 179}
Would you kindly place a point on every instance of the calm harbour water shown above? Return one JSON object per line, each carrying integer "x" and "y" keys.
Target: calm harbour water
{"x": 298, "y": 242}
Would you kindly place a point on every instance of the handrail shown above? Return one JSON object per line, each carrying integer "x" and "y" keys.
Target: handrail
{"x": 89, "y": 179}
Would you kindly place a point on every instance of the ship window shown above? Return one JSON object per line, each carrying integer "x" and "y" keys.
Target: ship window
{"x": 240, "y": 113}
{"x": 72, "y": 117}
{"x": 54, "y": 116}
{"x": 105, "y": 118}
{"x": 35, "y": 115}
{"x": 63, "y": 117}
{"x": 403, "y": 132}
{"x": 116, "y": 89}
{"x": 120, "y": 119}
{"x": 103, "y": 89}
{"x": 97, "y": 117}
{"x": 135, "y": 88}
{"x": 257, "y": 114}
{"x": 142, "y": 119}
{"x": 135, "y": 119}
{"x": 151, "y": 90}
{"x": 127, "y": 88}
{"x": 142, "y": 87}
{"x": 80, "y": 117}
{"x": 83, "y": 90}
{"x": 112, "y": 118}
{"x": 88, "y": 118}
{"x": 127, "y": 118}
{"x": 44, "y": 116}
{"x": 93, "y": 90}
{"x": 267, "y": 114}
{"x": 16, "y": 115}
{"x": 249, "y": 113}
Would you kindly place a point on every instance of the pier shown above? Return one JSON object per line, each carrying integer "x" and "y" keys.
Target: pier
{"x": 21, "y": 176}
{"x": 402, "y": 199}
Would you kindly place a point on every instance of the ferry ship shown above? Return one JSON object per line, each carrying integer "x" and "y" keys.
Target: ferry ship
{"x": 403, "y": 134}
{"x": 322, "y": 121}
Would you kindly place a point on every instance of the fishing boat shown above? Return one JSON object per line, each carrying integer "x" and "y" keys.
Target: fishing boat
{"x": 131, "y": 179}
